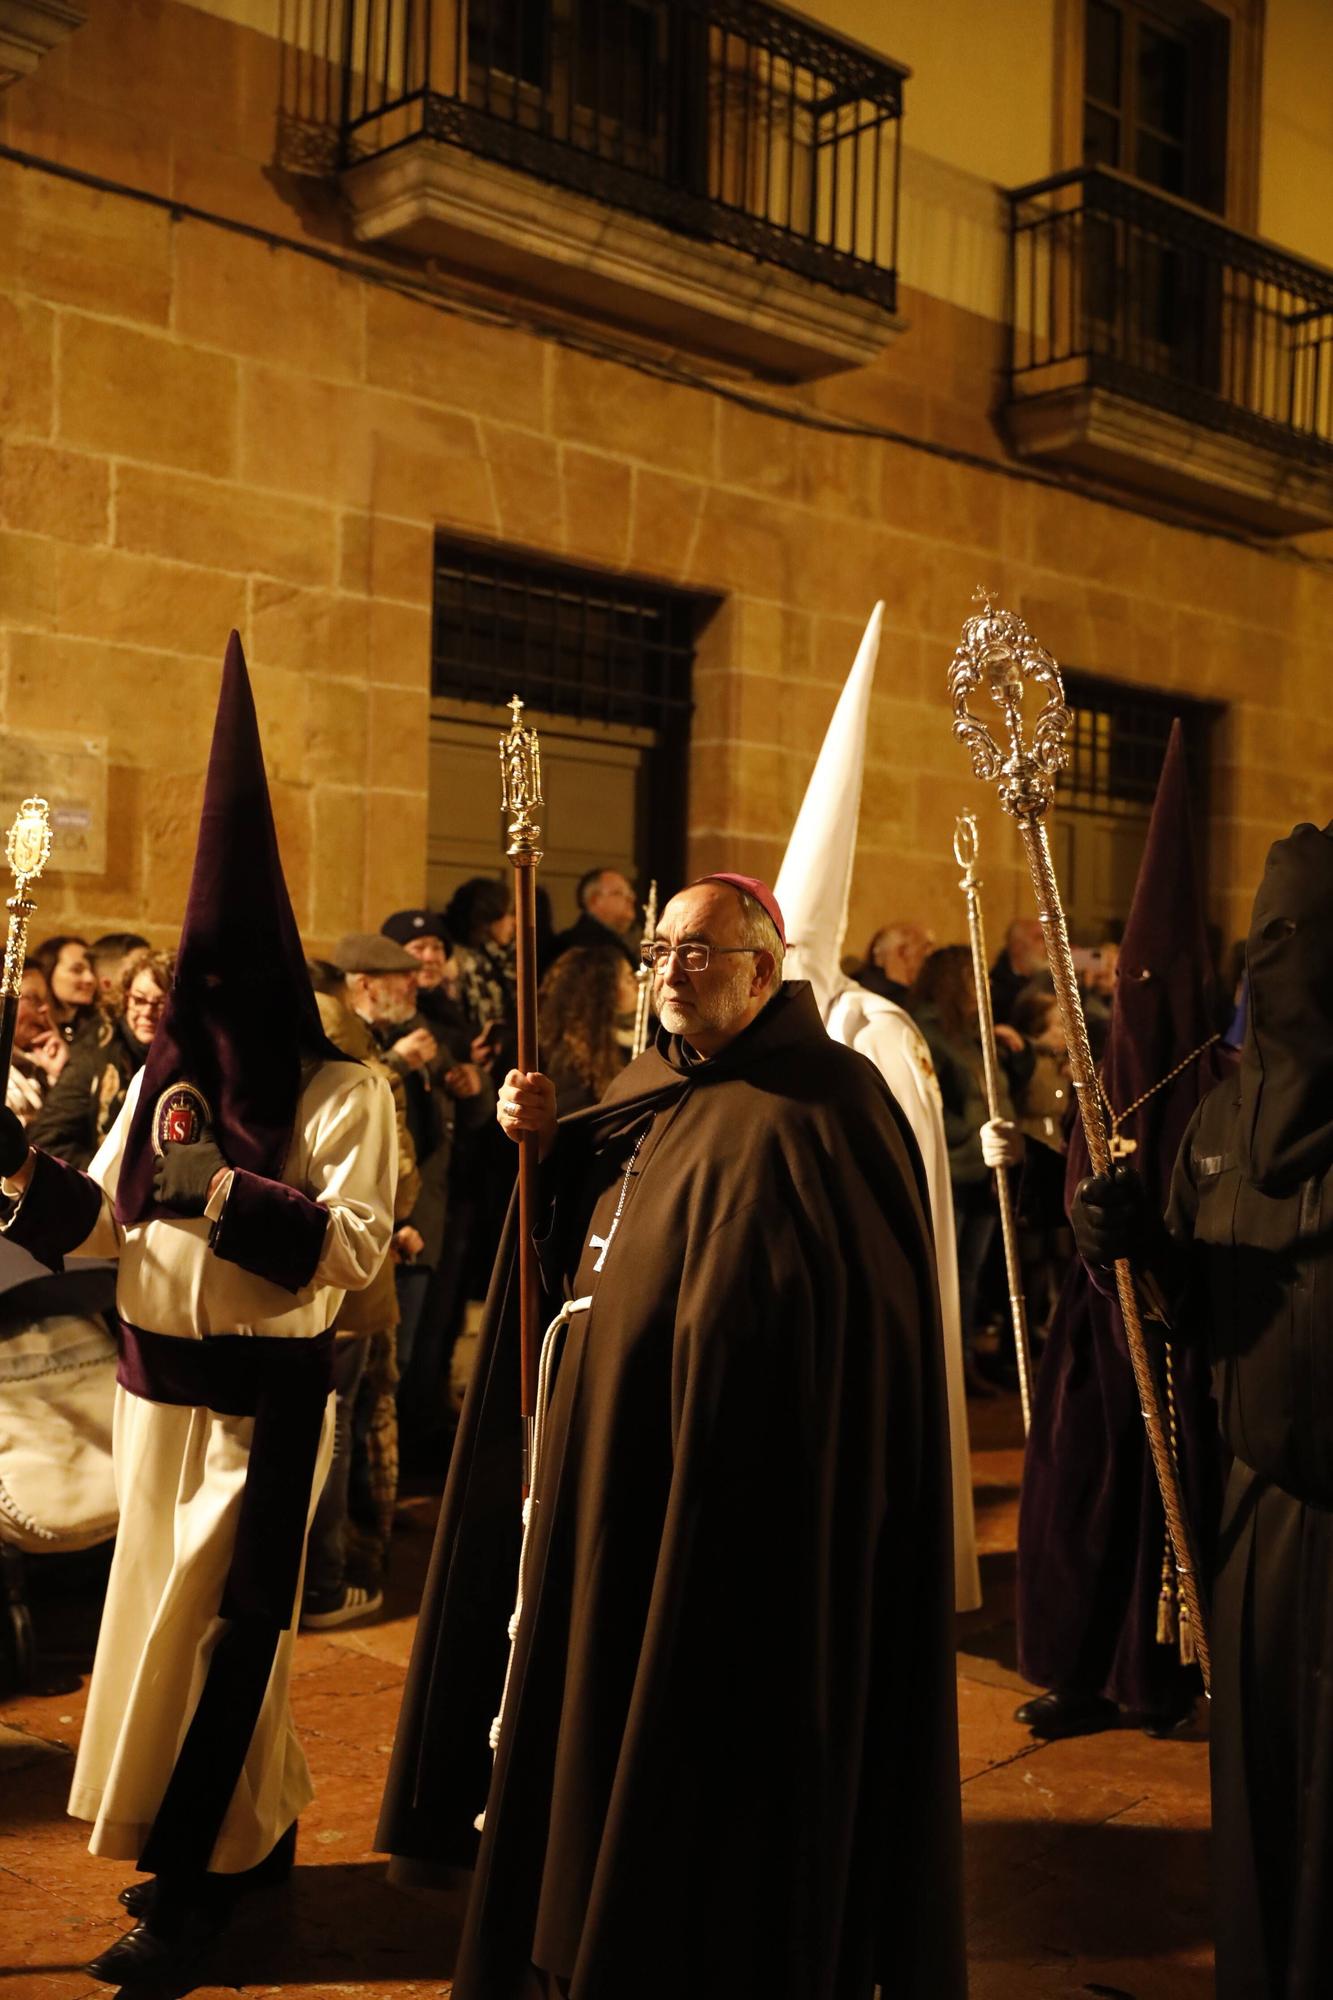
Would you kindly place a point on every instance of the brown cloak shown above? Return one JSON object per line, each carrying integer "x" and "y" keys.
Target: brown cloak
{"x": 729, "y": 1764}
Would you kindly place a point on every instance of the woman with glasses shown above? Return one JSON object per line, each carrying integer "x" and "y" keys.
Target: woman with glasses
{"x": 82, "y": 1108}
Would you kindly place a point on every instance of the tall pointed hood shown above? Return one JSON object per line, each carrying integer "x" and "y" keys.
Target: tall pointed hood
{"x": 241, "y": 1015}
{"x": 1164, "y": 1008}
{"x": 814, "y": 884}
{"x": 1286, "y": 1065}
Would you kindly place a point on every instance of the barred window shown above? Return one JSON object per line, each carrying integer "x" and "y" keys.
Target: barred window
{"x": 1117, "y": 745}
{"x": 572, "y": 642}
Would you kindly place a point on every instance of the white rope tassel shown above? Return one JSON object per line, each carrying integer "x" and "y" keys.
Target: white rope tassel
{"x": 544, "y": 1366}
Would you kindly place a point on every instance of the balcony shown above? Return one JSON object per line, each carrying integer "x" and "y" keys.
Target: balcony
{"x": 1155, "y": 347}
{"x": 718, "y": 174}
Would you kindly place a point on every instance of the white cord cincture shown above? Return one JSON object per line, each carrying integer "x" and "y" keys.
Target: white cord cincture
{"x": 544, "y": 1367}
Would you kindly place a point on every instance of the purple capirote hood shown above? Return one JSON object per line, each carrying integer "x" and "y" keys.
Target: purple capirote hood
{"x": 1164, "y": 1007}
{"x": 241, "y": 1016}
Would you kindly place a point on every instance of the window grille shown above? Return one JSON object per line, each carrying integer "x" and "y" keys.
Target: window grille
{"x": 572, "y": 642}
{"x": 1117, "y": 745}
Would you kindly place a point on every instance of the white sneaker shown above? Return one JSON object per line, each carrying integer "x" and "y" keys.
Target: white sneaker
{"x": 357, "y": 1603}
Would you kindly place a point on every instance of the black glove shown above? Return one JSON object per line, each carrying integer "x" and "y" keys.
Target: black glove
{"x": 13, "y": 1142}
{"x": 182, "y": 1175}
{"x": 1112, "y": 1217}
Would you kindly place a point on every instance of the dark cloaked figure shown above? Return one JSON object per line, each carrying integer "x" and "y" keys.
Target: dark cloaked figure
{"x": 1252, "y": 1207}
{"x": 729, "y": 1759}
{"x": 1091, "y": 1533}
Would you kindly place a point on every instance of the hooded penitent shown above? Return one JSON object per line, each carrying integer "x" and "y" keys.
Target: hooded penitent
{"x": 1251, "y": 1205}
{"x": 241, "y": 1017}
{"x": 814, "y": 884}
{"x": 1286, "y": 1071}
{"x": 814, "y": 889}
{"x": 1091, "y": 1530}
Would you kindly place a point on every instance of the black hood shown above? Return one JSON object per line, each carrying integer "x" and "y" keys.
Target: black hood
{"x": 1286, "y": 1072}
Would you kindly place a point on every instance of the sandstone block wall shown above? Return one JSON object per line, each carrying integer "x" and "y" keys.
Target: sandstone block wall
{"x": 199, "y": 429}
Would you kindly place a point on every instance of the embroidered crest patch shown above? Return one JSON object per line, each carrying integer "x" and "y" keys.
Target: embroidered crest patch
{"x": 182, "y": 1116}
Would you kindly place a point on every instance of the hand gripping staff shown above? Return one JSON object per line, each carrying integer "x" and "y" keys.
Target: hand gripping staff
{"x": 965, "y": 854}
{"x": 27, "y": 851}
{"x": 998, "y": 657}
{"x": 520, "y": 795}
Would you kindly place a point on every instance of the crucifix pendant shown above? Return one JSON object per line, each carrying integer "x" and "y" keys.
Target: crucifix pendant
{"x": 603, "y": 1243}
{"x": 1118, "y": 1148}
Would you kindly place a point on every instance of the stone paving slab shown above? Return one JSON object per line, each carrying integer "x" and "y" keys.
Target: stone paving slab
{"x": 1086, "y": 1860}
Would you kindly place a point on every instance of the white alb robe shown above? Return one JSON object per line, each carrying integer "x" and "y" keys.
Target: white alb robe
{"x": 891, "y": 1040}
{"x": 180, "y": 1474}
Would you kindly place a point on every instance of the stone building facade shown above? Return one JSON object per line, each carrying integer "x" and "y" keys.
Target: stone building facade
{"x": 218, "y": 408}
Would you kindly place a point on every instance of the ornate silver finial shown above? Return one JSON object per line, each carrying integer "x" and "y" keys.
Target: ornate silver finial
{"x": 521, "y": 784}
{"x": 28, "y": 845}
{"x": 966, "y": 846}
{"x": 27, "y": 850}
{"x": 999, "y": 655}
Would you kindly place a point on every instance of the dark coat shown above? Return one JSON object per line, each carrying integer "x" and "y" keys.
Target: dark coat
{"x": 594, "y": 936}
{"x": 729, "y": 1762}
{"x": 962, "y": 1080}
{"x": 1251, "y": 1211}
{"x": 84, "y": 1102}
{"x": 876, "y": 980}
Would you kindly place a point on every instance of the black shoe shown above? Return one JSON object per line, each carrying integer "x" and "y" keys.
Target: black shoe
{"x": 1166, "y": 1721}
{"x": 1064, "y": 1713}
{"x": 1000, "y": 1370}
{"x": 271, "y": 1872}
{"x": 143, "y": 1957}
{"x": 975, "y": 1386}
{"x": 137, "y": 1897}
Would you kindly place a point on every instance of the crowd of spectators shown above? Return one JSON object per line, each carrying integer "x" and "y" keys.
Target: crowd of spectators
{"x": 429, "y": 1000}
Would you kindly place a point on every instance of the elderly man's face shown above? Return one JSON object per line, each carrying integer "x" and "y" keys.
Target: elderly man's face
{"x": 903, "y": 951}
{"x": 1027, "y": 947}
{"x": 611, "y": 901}
{"x": 708, "y": 1009}
{"x": 389, "y": 997}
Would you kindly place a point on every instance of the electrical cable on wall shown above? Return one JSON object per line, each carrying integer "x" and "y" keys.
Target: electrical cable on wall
{"x": 438, "y": 294}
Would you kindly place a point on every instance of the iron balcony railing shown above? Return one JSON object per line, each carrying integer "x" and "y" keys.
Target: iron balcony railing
{"x": 1120, "y": 287}
{"x": 726, "y": 120}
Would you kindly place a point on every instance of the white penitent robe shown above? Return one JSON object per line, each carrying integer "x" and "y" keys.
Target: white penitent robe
{"x": 180, "y": 1474}
{"x": 891, "y": 1040}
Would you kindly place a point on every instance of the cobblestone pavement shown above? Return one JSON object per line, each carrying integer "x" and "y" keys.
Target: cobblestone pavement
{"x": 1086, "y": 1860}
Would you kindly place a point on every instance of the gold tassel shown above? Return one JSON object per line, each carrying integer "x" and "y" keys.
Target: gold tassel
{"x": 1186, "y": 1640}
{"x": 1170, "y": 1613}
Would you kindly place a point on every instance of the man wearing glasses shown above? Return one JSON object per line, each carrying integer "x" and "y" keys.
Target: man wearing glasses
{"x": 737, "y": 1579}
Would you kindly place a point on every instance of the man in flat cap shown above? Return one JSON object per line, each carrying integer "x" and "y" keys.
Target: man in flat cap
{"x": 738, "y": 1577}
{"x": 449, "y": 1101}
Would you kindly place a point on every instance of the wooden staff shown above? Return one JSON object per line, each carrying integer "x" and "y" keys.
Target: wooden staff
{"x": 27, "y": 850}
{"x": 521, "y": 794}
{"x": 643, "y": 1003}
{"x": 998, "y": 656}
{"x": 965, "y": 854}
